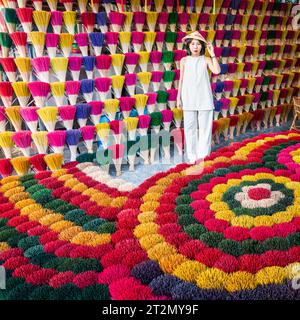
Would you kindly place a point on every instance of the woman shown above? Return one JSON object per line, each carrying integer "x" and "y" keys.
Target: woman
{"x": 195, "y": 96}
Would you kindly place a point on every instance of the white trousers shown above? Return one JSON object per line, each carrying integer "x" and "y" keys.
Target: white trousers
{"x": 197, "y": 142}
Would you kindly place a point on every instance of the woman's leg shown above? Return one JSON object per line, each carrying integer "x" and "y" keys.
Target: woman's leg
{"x": 190, "y": 134}
{"x": 205, "y": 121}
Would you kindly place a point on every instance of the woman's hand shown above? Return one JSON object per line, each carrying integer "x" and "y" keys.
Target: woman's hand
{"x": 178, "y": 103}
{"x": 210, "y": 49}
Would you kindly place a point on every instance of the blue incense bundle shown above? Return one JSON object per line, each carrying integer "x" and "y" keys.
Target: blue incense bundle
{"x": 87, "y": 89}
{"x": 83, "y": 111}
{"x": 97, "y": 40}
{"x": 72, "y": 139}
{"x": 89, "y": 65}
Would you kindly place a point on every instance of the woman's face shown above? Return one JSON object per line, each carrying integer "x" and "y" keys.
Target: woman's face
{"x": 195, "y": 47}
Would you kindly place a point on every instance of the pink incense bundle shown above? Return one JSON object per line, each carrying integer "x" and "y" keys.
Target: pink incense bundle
{"x": 258, "y": 83}
{"x": 156, "y": 78}
{"x": 72, "y": 90}
{"x": 96, "y": 111}
{"x": 178, "y": 55}
{"x": 117, "y": 152}
{"x": 25, "y": 17}
{"x": 139, "y": 18}
{"x": 233, "y": 53}
{"x": 256, "y": 100}
{"x": 183, "y": 20}
{"x": 272, "y": 81}
{"x": 41, "y": 67}
{"x": 228, "y": 86}
{"x": 82, "y": 39}
{"x": 160, "y": 39}
{"x": 57, "y": 140}
{"x": 263, "y": 36}
{"x": 258, "y": 116}
{"x": 225, "y": 106}
{"x": 51, "y": 42}
{"x": 117, "y": 127}
{"x": 111, "y": 39}
{"x": 88, "y": 133}
{"x": 232, "y": 125}
{"x": 162, "y": 21}
{"x": 179, "y": 42}
{"x": 56, "y": 21}
{"x": 137, "y": 39}
{"x": 283, "y": 95}
{"x": 151, "y": 101}
{"x": 20, "y": 40}
{"x": 95, "y": 5}
{"x": 167, "y": 117}
{"x": 144, "y": 122}
{"x": 117, "y": 20}
{"x": 74, "y": 66}
{"x": 203, "y": 20}
{"x": 261, "y": 67}
{"x": 126, "y": 105}
{"x": 252, "y": 22}
{"x": 235, "y": 37}
{"x": 68, "y": 4}
{"x": 103, "y": 86}
{"x": 131, "y": 60}
{"x": 130, "y": 82}
{"x": 103, "y": 63}
{"x": 38, "y": 5}
{"x": 6, "y": 93}
{"x": 30, "y": 116}
{"x": 155, "y": 58}
{"x": 88, "y": 20}
{"x": 176, "y": 77}
{"x": 38, "y": 162}
{"x": 2, "y": 119}
{"x": 170, "y": 4}
{"x": 232, "y": 67}
{"x": 39, "y": 91}
{"x": 241, "y": 104}
{"x": 67, "y": 114}
{"x": 219, "y": 36}
{"x": 6, "y": 168}
{"x": 9, "y": 67}
{"x": 270, "y": 98}
{"x": 221, "y": 18}
{"x": 243, "y": 85}
{"x": 172, "y": 98}
{"x": 22, "y": 140}
{"x": 238, "y": 21}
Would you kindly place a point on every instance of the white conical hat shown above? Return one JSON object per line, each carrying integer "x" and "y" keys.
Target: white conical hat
{"x": 194, "y": 35}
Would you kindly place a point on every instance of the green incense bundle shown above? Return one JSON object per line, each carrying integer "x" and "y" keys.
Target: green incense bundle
{"x": 273, "y": 20}
{"x": 173, "y": 18}
{"x": 264, "y": 96}
{"x": 167, "y": 56}
{"x": 168, "y": 78}
{"x": 269, "y": 49}
{"x": 269, "y": 65}
{"x": 162, "y": 96}
{"x": 5, "y": 40}
{"x": 10, "y": 15}
{"x": 156, "y": 119}
{"x": 266, "y": 81}
{"x": 170, "y": 39}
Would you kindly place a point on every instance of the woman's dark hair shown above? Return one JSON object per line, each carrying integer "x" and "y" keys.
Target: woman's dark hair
{"x": 187, "y": 46}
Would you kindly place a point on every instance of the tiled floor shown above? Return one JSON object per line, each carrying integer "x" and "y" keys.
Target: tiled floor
{"x": 143, "y": 172}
